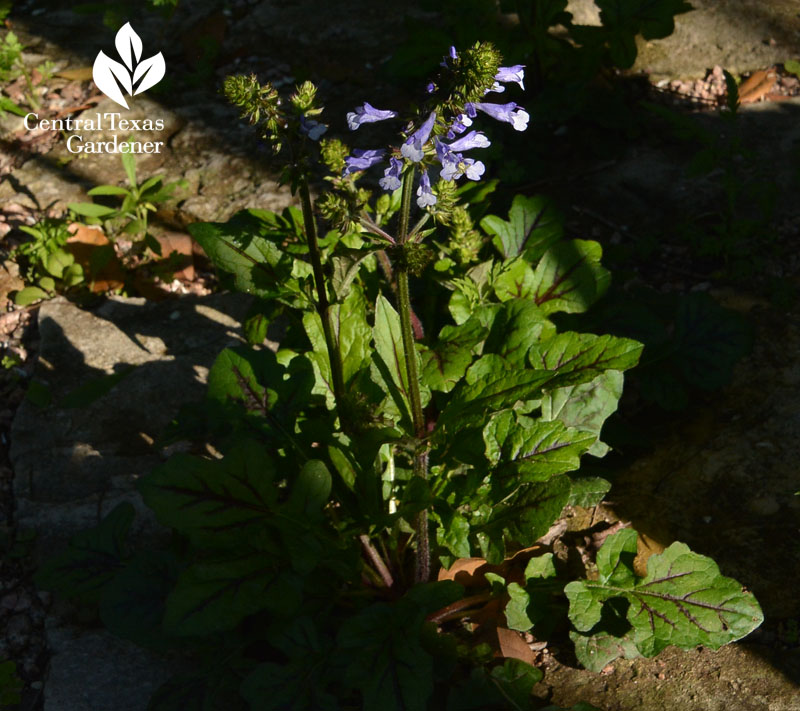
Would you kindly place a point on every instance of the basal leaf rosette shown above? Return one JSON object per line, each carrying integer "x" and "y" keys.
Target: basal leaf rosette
{"x": 682, "y": 601}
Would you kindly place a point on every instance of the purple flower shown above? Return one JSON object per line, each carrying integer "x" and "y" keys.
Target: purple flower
{"x": 361, "y": 160}
{"x": 412, "y": 148}
{"x": 459, "y": 125}
{"x": 510, "y": 113}
{"x": 311, "y": 128}
{"x": 509, "y": 74}
{"x": 452, "y": 54}
{"x": 367, "y": 114}
{"x": 391, "y": 176}
{"x": 454, "y": 165}
{"x": 425, "y": 196}
{"x": 431, "y": 87}
{"x": 474, "y": 139}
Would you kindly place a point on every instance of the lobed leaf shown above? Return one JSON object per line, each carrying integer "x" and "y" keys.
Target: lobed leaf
{"x": 533, "y": 226}
{"x": 533, "y": 449}
{"x": 213, "y": 501}
{"x": 682, "y": 601}
{"x": 576, "y": 358}
{"x": 93, "y": 558}
{"x": 569, "y": 277}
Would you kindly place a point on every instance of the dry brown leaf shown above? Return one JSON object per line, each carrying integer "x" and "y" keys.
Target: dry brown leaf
{"x": 80, "y": 74}
{"x": 757, "y": 85}
{"x": 182, "y": 244}
{"x": 466, "y": 571}
{"x": 81, "y": 245}
{"x": 512, "y": 646}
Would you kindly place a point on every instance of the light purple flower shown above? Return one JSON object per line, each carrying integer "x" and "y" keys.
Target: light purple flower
{"x": 367, "y": 114}
{"x": 311, "y": 128}
{"x": 454, "y": 165}
{"x": 361, "y": 160}
{"x": 510, "y": 113}
{"x": 391, "y": 176}
{"x": 425, "y": 196}
{"x": 412, "y": 148}
{"x": 452, "y": 54}
{"x": 474, "y": 139}
{"x": 509, "y": 74}
{"x": 497, "y": 88}
{"x": 431, "y": 87}
{"x": 459, "y": 125}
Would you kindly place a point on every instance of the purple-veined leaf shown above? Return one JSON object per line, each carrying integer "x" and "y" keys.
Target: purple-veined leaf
{"x": 683, "y": 600}
{"x": 217, "y": 502}
{"x": 576, "y": 358}
{"x": 569, "y": 277}
{"x": 534, "y": 449}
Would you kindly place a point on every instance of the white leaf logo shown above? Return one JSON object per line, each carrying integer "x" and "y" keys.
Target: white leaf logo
{"x": 133, "y": 76}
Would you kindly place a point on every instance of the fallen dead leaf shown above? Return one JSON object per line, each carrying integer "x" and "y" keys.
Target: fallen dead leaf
{"x": 182, "y": 244}
{"x": 758, "y": 85}
{"x": 82, "y": 245}
{"x": 79, "y": 74}
{"x": 512, "y": 646}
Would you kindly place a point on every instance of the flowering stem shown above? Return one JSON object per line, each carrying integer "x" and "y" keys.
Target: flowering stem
{"x": 423, "y": 554}
{"x": 323, "y": 305}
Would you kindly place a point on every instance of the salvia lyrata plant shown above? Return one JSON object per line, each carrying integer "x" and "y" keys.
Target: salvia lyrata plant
{"x": 373, "y": 529}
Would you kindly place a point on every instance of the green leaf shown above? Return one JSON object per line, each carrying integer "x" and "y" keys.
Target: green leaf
{"x": 576, "y": 358}
{"x": 7, "y": 104}
{"x": 90, "y": 209}
{"x": 311, "y": 489}
{"x": 216, "y": 595}
{"x": 48, "y": 283}
{"x": 247, "y": 247}
{"x": 533, "y": 227}
{"x": 72, "y": 275}
{"x": 516, "y": 610}
{"x": 38, "y": 393}
{"x": 390, "y": 369}
{"x": 389, "y": 666}
{"x": 445, "y": 363}
{"x": 213, "y": 686}
{"x": 588, "y": 490}
{"x": 515, "y": 281}
{"x": 533, "y": 449}
{"x": 792, "y": 66}
{"x": 300, "y": 684}
{"x": 30, "y": 294}
{"x": 683, "y": 600}
{"x": 255, "y": 380}
{"x": 215, "y": 502}
{"x": 518, "y": 325}
{"x": 293, "y": 686}
{"x": 93, "y": 558}
{"x": 586, "y": 406}
{"x": 595, "y": 651}
{"x": 523, "y": 517}
{"x": 94, "y": 389}
{"x": 569, "y": 277}
{"x": 346, "y": 264}
{"x": 132, "y": 604}
{"x": 471, "y": 402}
{"x": 57, "y": 262}
{"x": 129, "y": 164}
{"x": 108, "y": 190}
{"x": 352, "y": 333}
